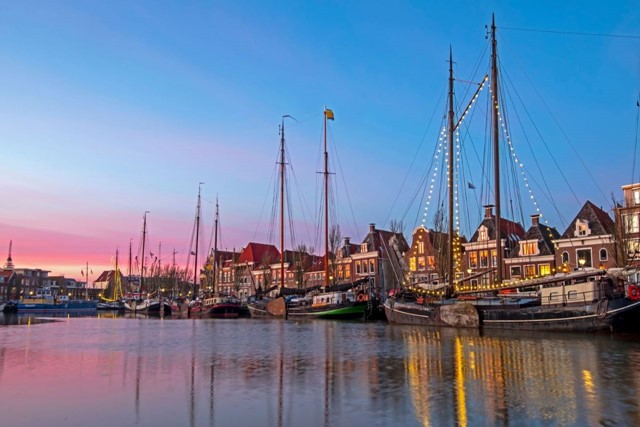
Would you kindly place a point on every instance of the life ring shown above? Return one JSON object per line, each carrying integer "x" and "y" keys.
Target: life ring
{"x": 360, "y": 297}
{"x": 634, "y": 293}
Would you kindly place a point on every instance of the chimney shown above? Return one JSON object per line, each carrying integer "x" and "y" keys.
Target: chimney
{"x": 535, "y": 219}
{"x": 372, "y": 228}
{"x": 346, "y": 242}
{"x": 488, "y": 211}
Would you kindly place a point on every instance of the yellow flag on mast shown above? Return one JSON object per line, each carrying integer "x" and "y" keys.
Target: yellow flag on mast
{"x": 328, "y": 114}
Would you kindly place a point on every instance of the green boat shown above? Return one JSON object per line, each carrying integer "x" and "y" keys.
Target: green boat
{"x": 332, "y": 305}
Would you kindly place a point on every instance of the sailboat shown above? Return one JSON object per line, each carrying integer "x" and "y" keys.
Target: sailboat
{"x": 150, "y": 305}
{"x": 587, "y": 299}
{"x": 349, "y": 300}
{"x": 115, "y": 301}
{"x": 215, "y": 304}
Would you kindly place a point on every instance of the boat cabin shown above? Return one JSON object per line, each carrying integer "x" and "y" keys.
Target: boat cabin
{"x": 582, "y": 290}
{"x": 334, "y": 298}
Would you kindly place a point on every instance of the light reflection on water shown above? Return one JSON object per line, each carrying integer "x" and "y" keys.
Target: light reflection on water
{"x": 137, "y": 371}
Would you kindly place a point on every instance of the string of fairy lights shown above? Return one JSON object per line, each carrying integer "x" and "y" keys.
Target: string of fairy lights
{"x": 457, "y": 257}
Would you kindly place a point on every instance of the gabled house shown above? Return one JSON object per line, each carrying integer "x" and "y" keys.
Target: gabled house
{"x": 251, "y": 268}
{"x": 534, "y": 255}
{"x": 381, "y": 259}
{"x": 427, "y": 257}
{"x": 105, "y": 283}
{"x": 480, "y": 255}
{"x": 588, "y": 241}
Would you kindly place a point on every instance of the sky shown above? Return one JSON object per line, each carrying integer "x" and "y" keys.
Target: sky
{"x": 111, "y": 109}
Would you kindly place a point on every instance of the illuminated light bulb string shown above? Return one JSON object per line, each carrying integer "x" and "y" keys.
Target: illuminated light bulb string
{"x": 435, "y": 175}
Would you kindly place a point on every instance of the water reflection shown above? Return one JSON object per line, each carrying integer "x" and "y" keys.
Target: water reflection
{"x": 111, "y": 370}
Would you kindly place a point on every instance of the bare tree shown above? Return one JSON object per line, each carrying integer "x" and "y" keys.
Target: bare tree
{"x": 396, "y": 226}
{"x": 335, "y": 237}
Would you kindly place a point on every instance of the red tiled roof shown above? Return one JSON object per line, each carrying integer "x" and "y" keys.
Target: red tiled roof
{"x": 257, "y": 253}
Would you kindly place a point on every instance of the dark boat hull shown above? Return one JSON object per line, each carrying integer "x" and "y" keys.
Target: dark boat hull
{"x": 603, "y": 315}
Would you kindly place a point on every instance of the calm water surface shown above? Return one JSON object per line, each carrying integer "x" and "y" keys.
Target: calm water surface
{"x": 179, "y": 372}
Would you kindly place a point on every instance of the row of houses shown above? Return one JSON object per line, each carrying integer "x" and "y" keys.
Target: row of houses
{"x": 592, "y": 239}
{"x": 386, "y": 260}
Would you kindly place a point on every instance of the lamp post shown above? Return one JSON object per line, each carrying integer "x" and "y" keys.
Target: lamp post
{"x": 582, "y": 262}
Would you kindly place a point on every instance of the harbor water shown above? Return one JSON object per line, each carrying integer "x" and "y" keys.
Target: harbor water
{"x": 112, "y": 370}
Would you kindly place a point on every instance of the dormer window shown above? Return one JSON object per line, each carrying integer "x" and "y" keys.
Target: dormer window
{"x": 582, "y": 228}
{"x": 529, "y": 247}
{"x": 636, "y": 197}
{"x": 363, "y": 248}
{"x": 483, "y": 234}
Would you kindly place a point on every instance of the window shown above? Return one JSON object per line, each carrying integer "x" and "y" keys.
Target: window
{"x": 347, "y": 271}
{"x": 482, "y": 234}
{"x": 473, "y": 259}
{"x": 474, "y": 283}
{"x": 484, "y": 258}
{"x": 516, "y": 271}
{"x": 421, "y": 263}
{"x": 529, "y": 270}
{"x": 603, "y": 254}
{"x": 358, "y": 267}
{"x": 565, "y": 257}
{"x": 365, "y": 266}
{"x": 636, "y": 197}
{"x": 632, "y": 223}
{"x": 372, "y": 266}
{"x": 633, "y": 246}
{"x": 584, "y": 258}
{"x": 363, "y": 248}
{"x": 582, "y": 228}
{"x": 528, "y": 248}
{"x": 412, "y": 264}
{"x": 420, "y": 247}
{"x": 544, "y": 269}
{"x": 494, "y": 258}
{"x": 431, "y": 261}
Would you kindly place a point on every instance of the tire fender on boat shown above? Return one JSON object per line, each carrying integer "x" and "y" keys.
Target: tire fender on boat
{"x": 633, "y": 292}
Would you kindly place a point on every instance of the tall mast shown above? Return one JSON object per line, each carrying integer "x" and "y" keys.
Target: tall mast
{"x": 328, "y": 115}
{"x": 116, "y": 279}
{"x": 195, "y": 263}
{"x": 129, "y": 262}
{"x": 496, "y": 153}
{"x": 450, "y": 169}
{"x": 282, "y": 204}
{"x": 86, "y": 287}
{"x": 215, "y": 245}
{"x": 144, "y": 238}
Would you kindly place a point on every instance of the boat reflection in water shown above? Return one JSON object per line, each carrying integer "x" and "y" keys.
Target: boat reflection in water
{"x": 460, "y": 377}
{"x": 207, "y": 372}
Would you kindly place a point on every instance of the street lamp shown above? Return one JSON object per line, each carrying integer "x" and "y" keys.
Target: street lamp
{"x": 582, "y": 262}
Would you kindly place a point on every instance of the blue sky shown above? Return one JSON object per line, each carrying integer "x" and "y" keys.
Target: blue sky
{"x": 110, "y": 109}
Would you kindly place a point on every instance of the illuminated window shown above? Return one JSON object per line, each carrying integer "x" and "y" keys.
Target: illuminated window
{"x": 365, "y": 267}
{"x": 363, "y": 248}
{"x": 529, "y": 248}
{"x": 420, "y": 247}
{"x": 544, "y": 269}
{"x": 473, "y": 259}
{"x": 431, "y": 261}
{"x": 347, "y": 271}
{"x": 529, "y": 270}
{"x": 516, "y": 271}
{"x": 484, "y": 258}
{"x": 584, "y": 258}
{"x": 483, "y": 235}
{"x": 494, "y": 258}
{"x": 421, "y": 263}
{"x": 582, "y": 228}
{"x": 358, "y": 267}
{"x": 412, "y": 263}
{"x": 372, "y": 266}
